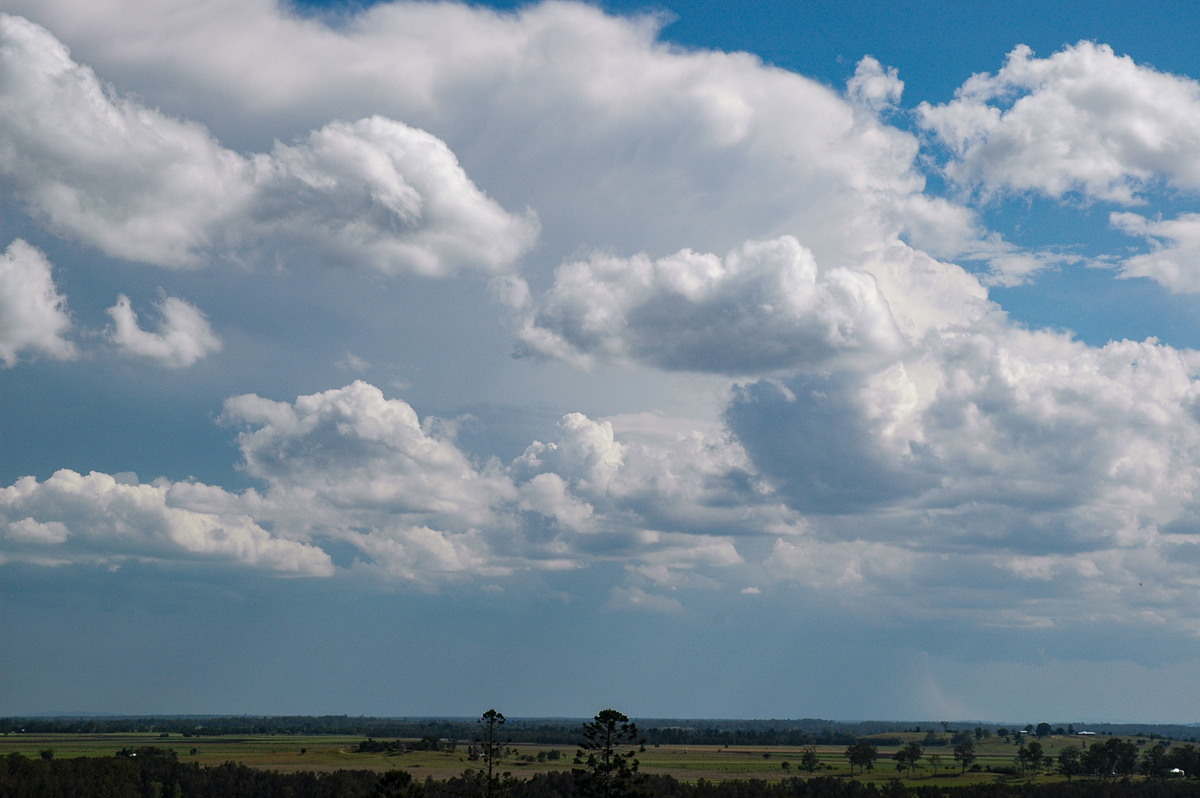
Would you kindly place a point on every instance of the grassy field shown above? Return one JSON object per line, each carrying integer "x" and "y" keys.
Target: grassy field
{"x": 286, "y": 753}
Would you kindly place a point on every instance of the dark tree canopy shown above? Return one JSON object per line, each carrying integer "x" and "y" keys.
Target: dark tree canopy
{"x": 608, "y": 755}
{"x": 964, "y": 752}
{"x": 1029, "y": 756}
{"x": 908, "y": 756}
{"x": 862, "y": 755}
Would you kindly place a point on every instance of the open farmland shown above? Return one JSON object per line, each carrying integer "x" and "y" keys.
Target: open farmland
{"x": 324, "y": 753}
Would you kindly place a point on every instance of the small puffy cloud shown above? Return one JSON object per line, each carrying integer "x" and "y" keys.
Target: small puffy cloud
{"x": 849, "y": 567}
{"x": 636, "y": 598}
{"x": 586, "y": 454}
{"x": 1083, "y": 120}
{"x": 764, "y": 307}
{"x": 352, "y": 362}
{"x": 183, "y": 336}
{"x": 74, "y": 517}
{"x": 1174, "y": 258}
{"x": 549, "y": 495}
{"x": 874, "y": 86}
{"x": 143, "y": 186}
{"x": 653, "y": 473}
{"x": 27, "y": 530}
{"x": 422, "y": 554}
{"x": 33, "y": 315}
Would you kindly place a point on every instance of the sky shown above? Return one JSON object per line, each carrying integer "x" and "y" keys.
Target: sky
{"x": 696, "y": 359}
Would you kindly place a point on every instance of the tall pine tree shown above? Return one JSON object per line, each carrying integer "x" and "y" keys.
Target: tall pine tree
{"x": 608, "y": 755}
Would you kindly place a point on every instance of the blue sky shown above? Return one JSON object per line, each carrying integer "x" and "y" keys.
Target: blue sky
{"x": 701, "y": 360}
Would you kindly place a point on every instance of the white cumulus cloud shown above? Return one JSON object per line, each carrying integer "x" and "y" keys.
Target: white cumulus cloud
{"x": 382, "y": 193}
{"x": 183, "y": 336}
{"x": 764, "y": 307}
{"x": 1174, "y": 258}
{"x": 874, "y": 86}
{"x": 1082, "y": 120}
{"x": 144, "y": 186}
{"x": 355, "y": 450}
{"x": 613, "y": 137}
{"x": 33, "y": 314}
{"x": 94, "y": 517}
{"x": 996, "y": 452}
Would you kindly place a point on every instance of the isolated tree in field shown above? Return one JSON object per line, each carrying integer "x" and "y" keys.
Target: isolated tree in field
{"x": 809, "y": 760}
{"x": 607, "y": 753}
{"x": 862, "y": 755}
{"x": 1043, "y": 730}
{"x": 964, "y": 753}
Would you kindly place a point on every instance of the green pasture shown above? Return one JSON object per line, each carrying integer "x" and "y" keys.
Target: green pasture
{"x": 286, "y": 753}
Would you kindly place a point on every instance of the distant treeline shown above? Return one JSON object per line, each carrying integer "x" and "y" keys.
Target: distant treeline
{"x": 549, "y": 732}
{"x": 553, "y": 731}
{"x": 809, "y": 732}
{"x": 154, "y": 773}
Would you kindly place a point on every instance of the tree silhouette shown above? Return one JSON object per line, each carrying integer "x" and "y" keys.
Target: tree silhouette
{"x": 607, "y": 753}
{"x": 491, "y": 751}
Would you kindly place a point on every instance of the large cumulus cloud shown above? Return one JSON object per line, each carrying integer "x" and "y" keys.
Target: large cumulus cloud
{"x": 141, "y": 185}
{"x": 1031, "y": 420}
{"x": 995, "y": 451}
{"x": 616, "y": 138}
